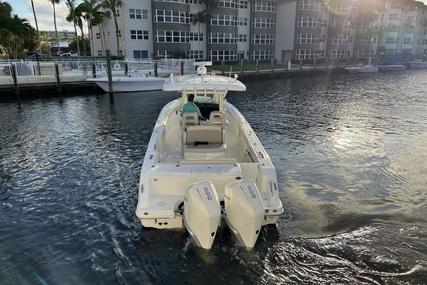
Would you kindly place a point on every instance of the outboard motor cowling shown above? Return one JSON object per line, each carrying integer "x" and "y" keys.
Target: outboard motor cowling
{"x": 244, "y": 211}
{"x": 202, "y": 213}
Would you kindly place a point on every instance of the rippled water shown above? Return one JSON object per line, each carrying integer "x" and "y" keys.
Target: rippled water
{"x": 351, "y": 157}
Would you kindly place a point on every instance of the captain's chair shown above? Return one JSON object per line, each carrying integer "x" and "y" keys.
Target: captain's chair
{"x": 189, "y": 119}
{"x": 216, "y": 118}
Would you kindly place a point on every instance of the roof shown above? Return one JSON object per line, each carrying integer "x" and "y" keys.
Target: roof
{"x": 203, "y": 82}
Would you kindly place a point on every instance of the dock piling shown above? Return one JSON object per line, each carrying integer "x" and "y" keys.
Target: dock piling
{"x": 126, "y": 69}
{"x": 182, "y": 67}
{"x": 15, "y": 78}
{"x": 241, "y": 66}
{"x": 257, "y": 68}
{"x": 222, "y": 68}
{"x": 272, "y": 67}
{"x": 109, "y": 73}
{"x": 58, "y": 79}
{"x": 93, "y": 71}
{"x": 156, "y": 72}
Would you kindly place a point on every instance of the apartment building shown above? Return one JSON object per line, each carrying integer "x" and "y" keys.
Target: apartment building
{"x": 403, "y": 29}
{"x": 308, "y": 30}
{"x": 238, "y": 29}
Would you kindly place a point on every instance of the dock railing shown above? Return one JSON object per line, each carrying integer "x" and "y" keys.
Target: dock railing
{"x": 30, "y": 72}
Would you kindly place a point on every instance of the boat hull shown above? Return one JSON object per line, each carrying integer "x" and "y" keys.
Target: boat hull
{"x": 362, "y": 69}
{"x": 418, "y": 65}
{"x": 130, "y": 84}
{"x": 163, "y": 184}
{"x": 392, "y": 67}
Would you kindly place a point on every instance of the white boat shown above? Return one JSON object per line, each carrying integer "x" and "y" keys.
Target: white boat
{"x": 418, "y": 64}
{"x": 362, "y": 68}
{"x": 130, "y": 83}
{"x": 197, "y": 172}
{"x": 391, "y": 67}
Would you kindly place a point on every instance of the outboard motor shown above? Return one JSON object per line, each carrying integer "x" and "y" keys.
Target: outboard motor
{"x": 244, "y": 211}
{"x": 202, "y": 213}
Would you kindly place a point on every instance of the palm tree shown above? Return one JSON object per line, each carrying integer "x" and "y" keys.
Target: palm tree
{"x": 79, "y": 16}
{"x": 73, "y": 17}
{"x": 113, "y": 6}
{"x": 35, "y": 20}
{"x": 54, "y": 23}
{"x": 93, "y": 14}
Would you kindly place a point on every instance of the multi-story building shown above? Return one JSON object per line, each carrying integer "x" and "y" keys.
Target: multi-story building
{"x": 308, "y": 30}
{"x": 311, "y": 28}
{"x": 237, "y": 29}
{"x": 402, "y": 29}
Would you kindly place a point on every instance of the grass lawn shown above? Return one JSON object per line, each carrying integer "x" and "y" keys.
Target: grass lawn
{"x": 247, "y": 67}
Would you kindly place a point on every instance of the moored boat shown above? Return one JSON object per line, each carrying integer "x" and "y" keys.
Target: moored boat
{"x": 362, "y": 68}
{"x": 392, "y": 67}
{"x": 418, "y": 64}
{"x": 197, "y": 172}
{"x": 130, "y": 83}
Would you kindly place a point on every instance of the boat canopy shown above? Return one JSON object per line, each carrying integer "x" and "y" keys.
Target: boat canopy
{"x": 202, "y": 81}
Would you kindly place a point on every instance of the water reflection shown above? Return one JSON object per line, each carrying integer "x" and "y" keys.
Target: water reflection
{"x": 351, "y": 163}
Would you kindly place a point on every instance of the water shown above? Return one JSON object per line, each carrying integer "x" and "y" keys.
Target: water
{"x": 351, "y": 158}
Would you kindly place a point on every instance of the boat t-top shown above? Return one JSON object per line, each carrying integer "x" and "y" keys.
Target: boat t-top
{"x": 196, "y": 172}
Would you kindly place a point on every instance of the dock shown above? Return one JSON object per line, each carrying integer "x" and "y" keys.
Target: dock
{"x": 53, "y": 78}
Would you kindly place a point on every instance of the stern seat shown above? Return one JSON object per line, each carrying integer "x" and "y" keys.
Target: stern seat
{"x": 202, "y": 141}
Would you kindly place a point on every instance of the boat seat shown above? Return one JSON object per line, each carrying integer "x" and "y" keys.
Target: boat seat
{"x": 189, "y": 119}
{"x": 216, "y": 118}
{"x": 203, "y": 134}
{"x": 204, "y": 142}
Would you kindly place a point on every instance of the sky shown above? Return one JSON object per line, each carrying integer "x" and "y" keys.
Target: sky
{"x": 45, "y": 13}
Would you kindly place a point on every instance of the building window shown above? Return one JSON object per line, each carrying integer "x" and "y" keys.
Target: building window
{"x": 264, "y": 6}
{"x": 171, "y": 16}
{"x": 339, "y": 54}
{"x": 390, "y": 40}
{"x": 308, "y": 5}
{"x": 407, "y": 41}
{"x": 243, "y": 4}
{"x": 138, "y": 35}
{"x": 222, "y": 38}
{"x": 99, "y": 52}
{"x": 195, "y": 54}
{"x": 242, "y": 21}
{"x": 229, "y": 3}
{"x": 98, "y": 35}
{"x": 223, "y": 20}
{"x": 261, "y": 54}
{"x": 263, "y": 23}
{"x": 263, "y": 39}
{"x": 195, "y": 37}
{"x": 242, "y": 38}
{"x": 307, "y": 39}
{"x": 306, "y": 54}
{"x": 308, "y": 22}
{"x": 172, "y": 37}
{"x": 226, "y": 55}
{"x": 140, "y": 54}
{"x": 138, "y": 14}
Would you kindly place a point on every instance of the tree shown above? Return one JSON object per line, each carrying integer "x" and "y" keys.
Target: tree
{"x": 79, "y": 16}
{"x": 113, "y": 6}
{"x": 93, "y": 14}
{"x": 16, "y": 34}
{"x": 35, "y": 21}
{"x": 54, "y": 2}
{"x": 86, "y": 44}
{"x": 73, "y": 17}
{"x": 205, "y": 17}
